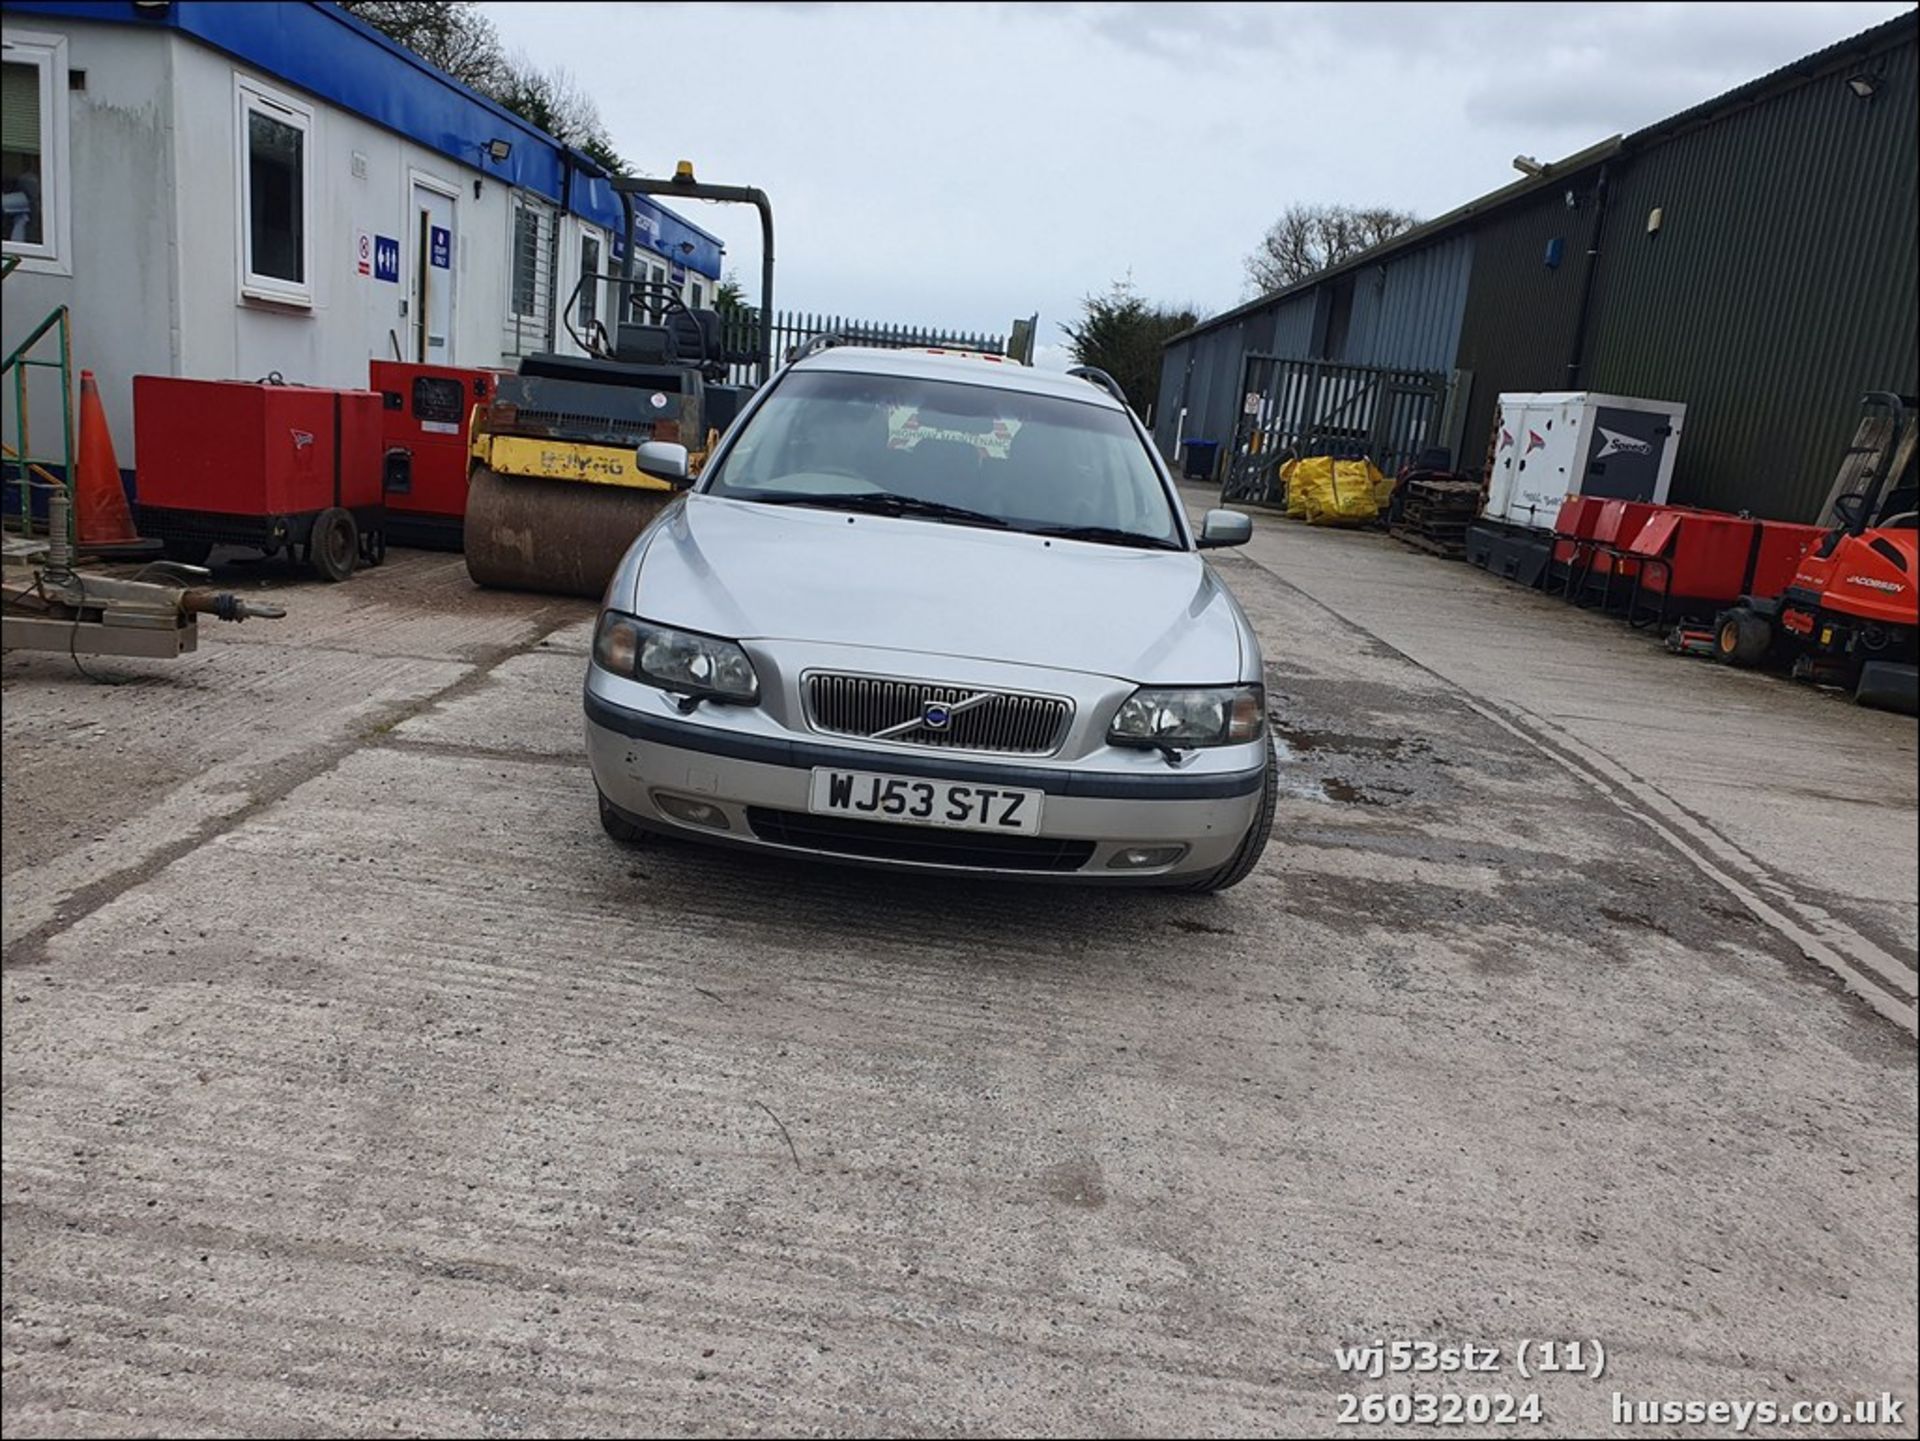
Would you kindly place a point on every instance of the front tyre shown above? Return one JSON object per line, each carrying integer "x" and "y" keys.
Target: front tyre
{"x": 617, "y": 825}
{"x": 1240, "y": 865}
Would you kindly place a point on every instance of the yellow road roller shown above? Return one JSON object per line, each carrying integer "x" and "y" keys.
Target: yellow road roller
{"x": 574, "y": 455}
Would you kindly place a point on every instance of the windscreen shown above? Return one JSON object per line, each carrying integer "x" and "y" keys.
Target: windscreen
{"x": 1029, "y": 462}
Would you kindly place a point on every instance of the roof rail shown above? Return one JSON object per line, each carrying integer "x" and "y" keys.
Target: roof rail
{"x": 814, "y": 344}
{"x": 1100, "y": 378}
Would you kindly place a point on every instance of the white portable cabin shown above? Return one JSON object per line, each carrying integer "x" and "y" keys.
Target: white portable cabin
{"x": 225, "y": 191}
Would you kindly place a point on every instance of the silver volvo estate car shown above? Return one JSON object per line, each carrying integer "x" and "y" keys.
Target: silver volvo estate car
{"x": 936, "y": 612}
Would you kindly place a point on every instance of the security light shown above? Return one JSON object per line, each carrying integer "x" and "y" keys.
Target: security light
{"x": 1528, "y": 166}
{"x": 1863, "y": 85}
{"x": 499, "y": 150}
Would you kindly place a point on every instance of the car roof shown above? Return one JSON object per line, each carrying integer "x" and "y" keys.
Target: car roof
{"x": 966, "y": 367}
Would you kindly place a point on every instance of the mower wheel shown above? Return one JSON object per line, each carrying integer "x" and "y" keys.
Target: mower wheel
{"x": 1742, "y": 638}
{"x": 334, "y": 545}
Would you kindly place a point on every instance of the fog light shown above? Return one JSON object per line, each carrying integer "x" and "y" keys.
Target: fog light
{"x": 1145, "y": 858}
{"x": 694, "y": 813}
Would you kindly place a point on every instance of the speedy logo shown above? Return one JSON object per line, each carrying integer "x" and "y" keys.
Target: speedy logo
{"x": 1618, "y": 444}
{"x": 1534, "y": 442}
{"x": 1506, "y": 438}
{"x": 1891, "y": 587}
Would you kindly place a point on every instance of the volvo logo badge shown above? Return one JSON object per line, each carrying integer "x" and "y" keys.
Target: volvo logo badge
{"x": 935, "y": 715}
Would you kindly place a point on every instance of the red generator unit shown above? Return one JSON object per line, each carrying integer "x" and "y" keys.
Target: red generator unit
{"x": 269, "y": 466}
{"x": 424, "y": 416}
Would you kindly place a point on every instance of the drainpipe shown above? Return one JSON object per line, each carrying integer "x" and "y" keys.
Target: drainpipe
{"x": 1576, "y": 363}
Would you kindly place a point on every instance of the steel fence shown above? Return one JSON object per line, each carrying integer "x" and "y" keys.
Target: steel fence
{"x": 741, "y": 335}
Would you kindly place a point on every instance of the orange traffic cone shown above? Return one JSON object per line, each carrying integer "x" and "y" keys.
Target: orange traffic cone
{"x": 101, "y": 517}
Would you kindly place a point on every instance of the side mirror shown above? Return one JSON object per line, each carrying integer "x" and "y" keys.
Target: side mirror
{"x": 662, "y": 458}
{"x": 1225, "y": 527}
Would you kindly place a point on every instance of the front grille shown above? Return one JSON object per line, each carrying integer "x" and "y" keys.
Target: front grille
{"x": 564, "y": 424}
{"x": 873, "y": 840}
{"x": 1008, "y": 722}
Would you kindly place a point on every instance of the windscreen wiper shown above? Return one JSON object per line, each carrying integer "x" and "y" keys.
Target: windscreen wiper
{"x": 1104, "y": 535}
{"x": 881, "y": 502}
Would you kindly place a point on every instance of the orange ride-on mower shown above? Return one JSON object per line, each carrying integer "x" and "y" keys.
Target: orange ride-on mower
{"x": 1851, "y": 615}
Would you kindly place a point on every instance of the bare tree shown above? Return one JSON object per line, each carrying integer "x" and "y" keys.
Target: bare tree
{"x": 550, "y": 99}
{"x": 452, "y": 34}
{"x": 1306, "y": 239}
{"x": 459, "y": 39}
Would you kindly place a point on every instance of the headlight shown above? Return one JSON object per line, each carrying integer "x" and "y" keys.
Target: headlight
{"x": 675, "y": 660}
{"x": 1197, "y": 716}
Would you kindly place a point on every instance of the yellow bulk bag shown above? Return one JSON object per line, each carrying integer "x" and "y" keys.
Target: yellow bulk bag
{"x": 1335, "y": 492}
{"x": 1296, "y": 507}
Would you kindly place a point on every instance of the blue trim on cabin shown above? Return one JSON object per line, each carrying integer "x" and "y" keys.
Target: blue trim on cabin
{"x": 319, "y": 48}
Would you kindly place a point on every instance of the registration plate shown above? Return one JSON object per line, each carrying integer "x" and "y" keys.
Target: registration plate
{"x": 909, "y": 800}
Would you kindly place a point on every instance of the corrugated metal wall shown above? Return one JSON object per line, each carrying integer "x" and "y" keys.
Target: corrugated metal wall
{"x": 1170, "y": 397}
{"x": 1293, "y": 327}
{"x": 1781, "y": 284}
{"x": 1407, "y": 311}
{"x": 1202, "y": 372}
{"x": 1520, "y": 315}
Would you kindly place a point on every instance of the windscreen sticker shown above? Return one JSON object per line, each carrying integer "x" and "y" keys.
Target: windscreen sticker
{"x": 905, "y": 430}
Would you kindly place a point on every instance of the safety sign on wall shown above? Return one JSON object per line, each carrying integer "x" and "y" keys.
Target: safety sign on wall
{"x": 386, "y": 258}
{"x": 440, "y": 247}
{"x": 363, "y": 251}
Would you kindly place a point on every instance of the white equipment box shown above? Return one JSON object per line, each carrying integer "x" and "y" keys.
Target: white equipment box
{"x": 1557, "y": 443}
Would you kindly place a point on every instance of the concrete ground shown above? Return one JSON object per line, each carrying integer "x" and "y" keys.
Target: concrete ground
{"x": 355, "y": 1083}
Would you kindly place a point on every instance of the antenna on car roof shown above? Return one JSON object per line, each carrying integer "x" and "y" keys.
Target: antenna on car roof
{"x": 1100, "y": 378}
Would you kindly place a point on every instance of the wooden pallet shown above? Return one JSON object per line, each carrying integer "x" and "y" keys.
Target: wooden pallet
{"x": 1445, "y": 549}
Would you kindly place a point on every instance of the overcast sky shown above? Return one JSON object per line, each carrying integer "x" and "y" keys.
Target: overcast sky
{"x": 961, "y": 164}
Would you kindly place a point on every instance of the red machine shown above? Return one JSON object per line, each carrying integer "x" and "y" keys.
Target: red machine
{"x": 1695, "y": 563}
{"x": 1593, "y": 542}
{"x": 265, "y": 465}
{"x": 1850, "y": 614}
{"x": 425, "y": 409}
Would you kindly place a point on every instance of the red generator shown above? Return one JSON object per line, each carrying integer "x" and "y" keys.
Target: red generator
{"x": 272, "y": 467}
{"x": 425, "y": 410}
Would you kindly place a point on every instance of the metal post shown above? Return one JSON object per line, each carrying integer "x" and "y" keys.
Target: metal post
{"x": 66, "y": 411}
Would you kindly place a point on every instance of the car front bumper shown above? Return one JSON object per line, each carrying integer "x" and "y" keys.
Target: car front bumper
{"x": 756, "y": 776}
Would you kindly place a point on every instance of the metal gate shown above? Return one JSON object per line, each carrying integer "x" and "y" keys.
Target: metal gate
{"x": 1317, "y": 407}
